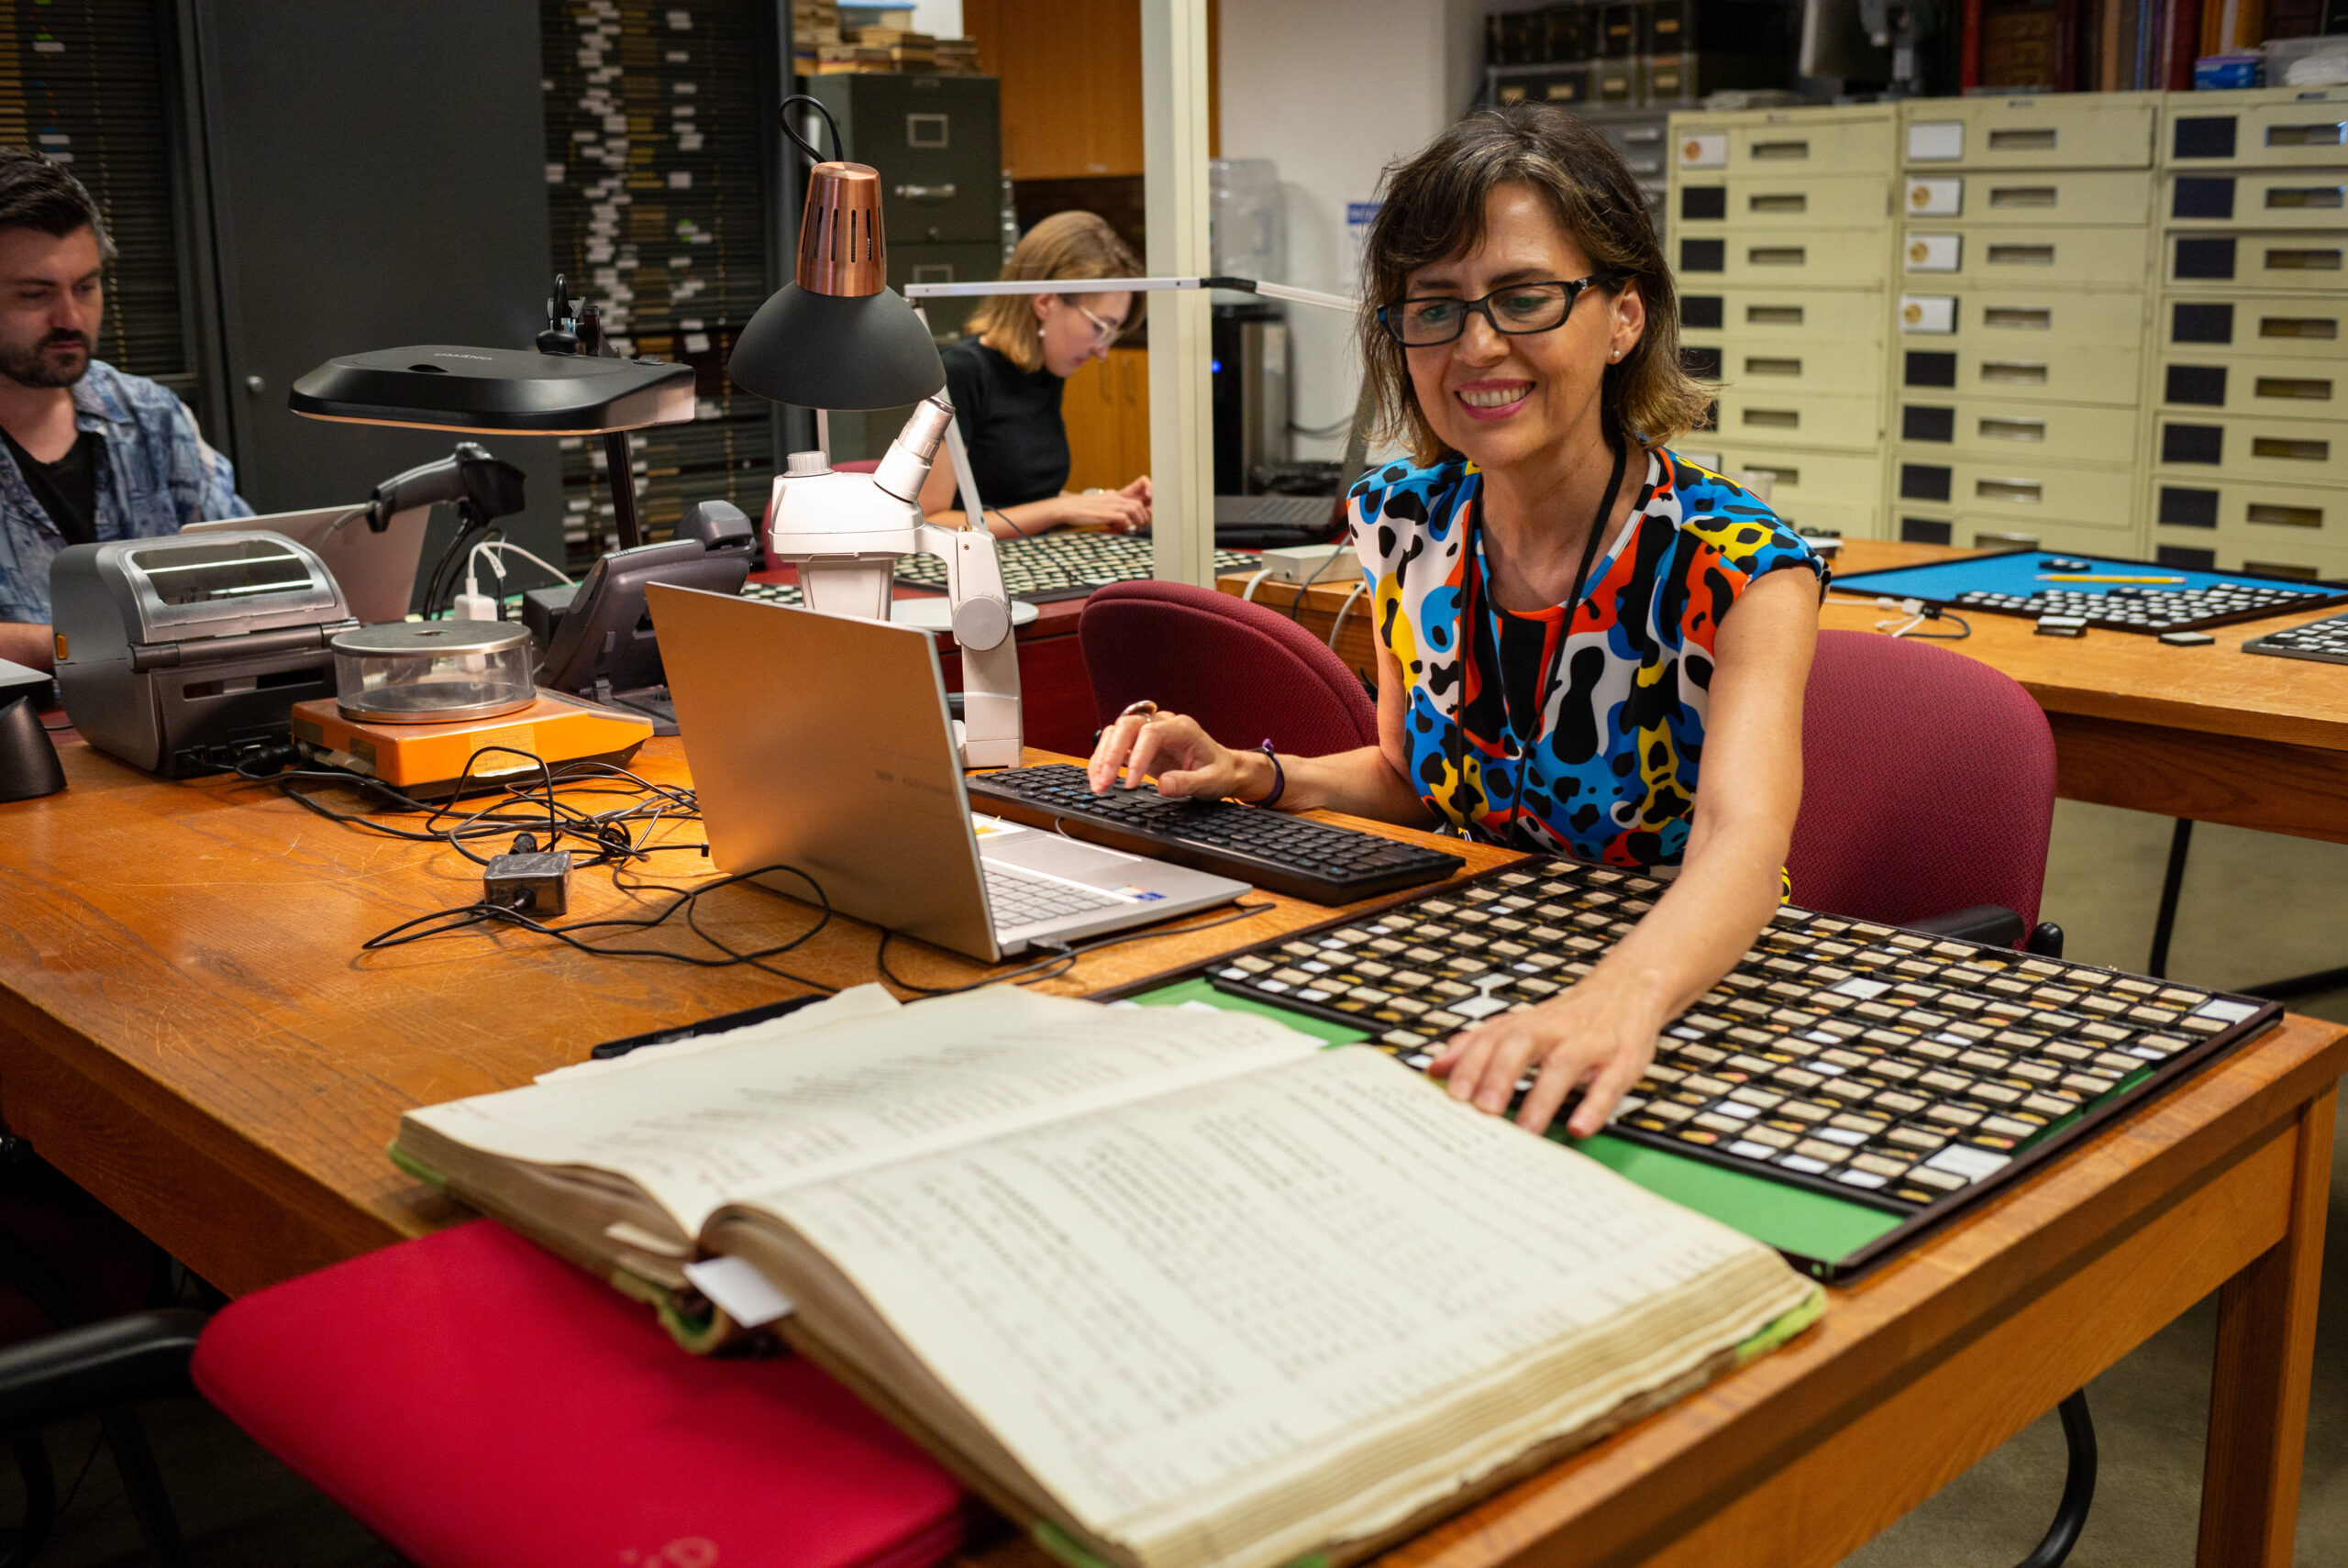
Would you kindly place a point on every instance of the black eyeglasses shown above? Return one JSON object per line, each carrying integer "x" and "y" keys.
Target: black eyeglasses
{"x": 1519, "y": 309}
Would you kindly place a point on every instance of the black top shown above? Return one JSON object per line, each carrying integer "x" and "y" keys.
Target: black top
{"x": 66, "y": 488}
{"x": 1011, "y": 422}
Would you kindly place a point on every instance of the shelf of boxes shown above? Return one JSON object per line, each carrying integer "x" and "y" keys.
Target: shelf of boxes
{"x": 1778, "y": 224}
{"x": 2017, "y": 362}
{"x": 2248, "y": 378}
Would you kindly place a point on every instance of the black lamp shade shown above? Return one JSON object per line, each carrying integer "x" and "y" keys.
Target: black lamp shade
{"x": 834, "y": 351}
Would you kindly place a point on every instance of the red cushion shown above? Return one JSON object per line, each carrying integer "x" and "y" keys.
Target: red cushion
{"x": 481, "y": 1404}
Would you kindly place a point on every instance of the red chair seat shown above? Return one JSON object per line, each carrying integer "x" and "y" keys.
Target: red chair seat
{"x": 478, "y": 1403}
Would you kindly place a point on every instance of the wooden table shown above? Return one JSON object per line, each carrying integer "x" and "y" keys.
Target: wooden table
{"x": 2208, "y": 734}
{"x": 188, "y": 1029}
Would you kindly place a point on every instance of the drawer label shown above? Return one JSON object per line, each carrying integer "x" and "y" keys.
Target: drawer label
{"x": 1708, "y": 149}
{"x": 1927, "y": 312}
{"x": 1935, "y": 141}
{"x": 1935, "y": 198}
{"x": 1933, "y": 252}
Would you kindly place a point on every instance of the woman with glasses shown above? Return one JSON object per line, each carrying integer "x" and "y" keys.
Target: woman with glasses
{"x": 1587, "y": 644}
{"x": 1005, "y": 380}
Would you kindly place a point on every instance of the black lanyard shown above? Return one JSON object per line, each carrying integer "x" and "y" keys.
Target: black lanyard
{"x": 1471, "y": 610}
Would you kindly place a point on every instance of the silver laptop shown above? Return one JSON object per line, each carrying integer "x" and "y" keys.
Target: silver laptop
{"x": 376, "y": 571}
{"x": 823, "y": 742}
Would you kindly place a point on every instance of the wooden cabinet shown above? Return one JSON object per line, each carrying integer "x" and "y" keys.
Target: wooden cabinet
{"x": 1071, "y": 83}
{"x": 1106, "y": 408}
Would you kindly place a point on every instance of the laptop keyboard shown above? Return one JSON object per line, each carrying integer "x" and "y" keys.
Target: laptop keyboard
{"x": 1017, "y": 900}
{"x": 1263, "y": 511}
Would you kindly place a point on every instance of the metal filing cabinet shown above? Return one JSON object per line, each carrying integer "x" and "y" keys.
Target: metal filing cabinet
{"x": 1642, "y": 138}
{"x": 1780, "y": 240}
{"x": 2016, "y": 360}
{"x": 2247, "y": 383}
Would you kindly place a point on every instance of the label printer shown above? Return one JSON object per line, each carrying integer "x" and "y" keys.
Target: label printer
{"x": 173, "y": 652}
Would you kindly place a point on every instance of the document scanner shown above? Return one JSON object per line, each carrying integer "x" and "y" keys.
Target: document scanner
{"x": 171, "y": 652}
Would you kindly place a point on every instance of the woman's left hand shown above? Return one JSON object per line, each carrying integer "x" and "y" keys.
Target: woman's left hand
{"x": 1137, "y": 490}
{"x": 1599, "y": 1036}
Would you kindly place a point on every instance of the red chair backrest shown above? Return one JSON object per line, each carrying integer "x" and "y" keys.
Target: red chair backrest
{"x": 1928, "y": 784}
{"x": 858, "y": 465}
{"x": 1246, "y": 672}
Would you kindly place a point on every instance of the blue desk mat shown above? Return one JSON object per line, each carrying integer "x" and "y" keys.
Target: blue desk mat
{"x": 2014, "y": 574}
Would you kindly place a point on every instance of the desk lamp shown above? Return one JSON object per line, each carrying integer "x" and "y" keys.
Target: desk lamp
{"x": 838, "y": 336}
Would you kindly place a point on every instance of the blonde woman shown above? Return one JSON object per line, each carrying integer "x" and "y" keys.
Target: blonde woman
{"x": 1005, "y": 380}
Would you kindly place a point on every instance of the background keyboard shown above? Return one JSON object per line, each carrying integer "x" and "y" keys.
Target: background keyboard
{"x": 1273, "y": 850}
{"x": 774, "y": 592}
{"x": 2325, "y": 641}
{"x": 1886, "y": 1066}
{"x": 1063, "y": 564}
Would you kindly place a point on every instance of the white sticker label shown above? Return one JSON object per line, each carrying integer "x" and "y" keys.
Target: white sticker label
{"x": 1478, "y": 1007}
{"x": 1862, "y": 988}
{"x": 1708, "y": 150}
{"x": 1932, "y": 252}
{"x": 1935, "y": 198}
{"x": 1970, "y": 1164}
{"x": 741, "y": 1291}
{"x": 1927, "y": 312}
{"x": 2225, "y": 1011}
{"x": 1935, "y": 141}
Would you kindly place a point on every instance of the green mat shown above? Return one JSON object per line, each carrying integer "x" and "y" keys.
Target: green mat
{"x": 1791, "y": 1219}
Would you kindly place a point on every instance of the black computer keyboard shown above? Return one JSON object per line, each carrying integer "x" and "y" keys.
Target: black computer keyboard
{"x": 1273, "y": 850}
{"x": 2325, "y": 641}
{"x": 1063, "y": 564}
{"x": 774, "y": 592}
{"x": 1891, "y": 1067}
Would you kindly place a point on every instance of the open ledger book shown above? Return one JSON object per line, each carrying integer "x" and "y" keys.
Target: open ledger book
{"x": 1178, "y": 1287}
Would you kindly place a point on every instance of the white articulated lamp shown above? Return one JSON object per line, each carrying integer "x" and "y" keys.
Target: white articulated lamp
{"x": 839, "y": 337}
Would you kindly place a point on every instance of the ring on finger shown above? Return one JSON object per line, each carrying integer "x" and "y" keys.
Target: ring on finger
{"x": 1144, "y": 709}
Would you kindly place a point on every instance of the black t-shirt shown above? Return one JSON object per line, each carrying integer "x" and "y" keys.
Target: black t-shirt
{"x": 1011, "y": 422}
{"x": 68, "y": 487}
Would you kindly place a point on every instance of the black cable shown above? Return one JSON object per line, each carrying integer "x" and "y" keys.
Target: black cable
{"x": 1062, "y": 959}
{"x": 815, "y": 154}
{"x": 1965, "y": 629}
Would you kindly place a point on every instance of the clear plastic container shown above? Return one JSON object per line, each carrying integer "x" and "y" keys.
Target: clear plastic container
{"x": 432, "y": 673}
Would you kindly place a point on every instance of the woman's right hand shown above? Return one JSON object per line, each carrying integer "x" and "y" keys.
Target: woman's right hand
{"x": 1104, "y": 511}
{"x": 1187, "y": 759}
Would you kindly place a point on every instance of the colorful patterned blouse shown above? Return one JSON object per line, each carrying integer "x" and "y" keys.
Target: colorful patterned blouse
{"x": 1592, "y": 749}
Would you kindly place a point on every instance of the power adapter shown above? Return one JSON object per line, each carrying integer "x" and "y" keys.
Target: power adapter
{"x": 1306, "y": 563}
{"x": 527, "y": 879}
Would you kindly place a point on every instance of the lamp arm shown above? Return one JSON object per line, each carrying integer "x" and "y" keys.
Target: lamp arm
{"x": 993, "y": 732}
{"x": 1345, "y": 303}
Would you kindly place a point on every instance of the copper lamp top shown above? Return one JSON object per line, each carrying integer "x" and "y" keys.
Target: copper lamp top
{"x": 841, "y": 251}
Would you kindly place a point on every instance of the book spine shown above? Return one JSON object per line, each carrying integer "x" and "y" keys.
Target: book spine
{"x": 1968, "y": 59}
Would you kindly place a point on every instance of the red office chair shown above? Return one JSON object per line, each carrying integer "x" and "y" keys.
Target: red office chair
{"x": 1928, "y": 791}
{"x": 478, "y": 1403}
{"x": 858, "y": 465}
{"x": 1246, "y": 672}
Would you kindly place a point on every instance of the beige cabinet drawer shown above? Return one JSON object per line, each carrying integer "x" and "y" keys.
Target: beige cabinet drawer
{"x": 2260, "y": 198}
{"x": 2252, "y": 513}
{"x": 1768, "y": 370}
{"x": 1786, "y": 417}
{"x": 2307, "y": 128}
{"x": 1734, "y": 205}
{"x": 2018, "y": 488}
{"x": 2018, "y": 320}
{"x": 1975, "y": 531}
{"x": 2309, "y": 260}
{"x": 2264, "y": 387}
{"x": 2311, "y": 327}
{"x": 2285, "y": 452}
{"x": 2028, "y": 198}
{"x": 1843, "y": 141}
{"x": 1998, "y": 430}
{"x": 1853, "y": 479}
{"x": 1810, "y": 257}
{"x": 2074, "y": 257}
{"x": 2068, "y": 372}
{"x": 2099, "y": 130}
{"x": 1712, "y": 315}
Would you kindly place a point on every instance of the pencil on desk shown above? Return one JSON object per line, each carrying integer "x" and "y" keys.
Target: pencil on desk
{"x": 2090, "y": 577}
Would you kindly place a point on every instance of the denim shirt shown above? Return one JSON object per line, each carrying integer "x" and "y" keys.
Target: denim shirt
{"x": 155, "y": 476}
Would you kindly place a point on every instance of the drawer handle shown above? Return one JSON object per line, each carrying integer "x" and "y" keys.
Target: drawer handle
{"x": 2306, "y": 388}
{"x": 2285, "y": 516}
{"x": 2026, "y": 493}
{"x": 2029, "y": 318}
{"x": 2281, "y": 568}
{"x": 2021, "y": 195}
{"x": 1773, "y": 315}
{"x": 1780, "y": 150}
{"x": 2013, "y": 429}
{"x": 2036, "y": 138}
{"x": 1643, "y": 133}
{"x": 2300, "y": 198}
{"x": 1774, "y": 418}
{"x": 1794, "y": 202}
{"x": 2016, "y": 371}
{"x": 1778, "y": 254}
{"x": 2021, "y": 256}
{"x": 2020, "y": 541}
{"x": 2290, "y": 451}
{"x": 1788, "y": 478}
{"x": 2324, "y": 133}
{"x": 927, "y": 193}
{"x": 2324, "y": 328}
{"x": 1793, "y": 368}
{"x": 2309, "y": 259}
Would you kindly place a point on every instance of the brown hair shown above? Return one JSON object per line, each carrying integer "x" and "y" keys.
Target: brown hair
{"x": 1066, "y": 245}
{"x": 1434, "y": 209}
{"x": 37, "y": 193}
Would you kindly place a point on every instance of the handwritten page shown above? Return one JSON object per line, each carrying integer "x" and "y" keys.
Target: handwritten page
{"x": 1180, "y": 1315}
{"x": 738, "y": 1120}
